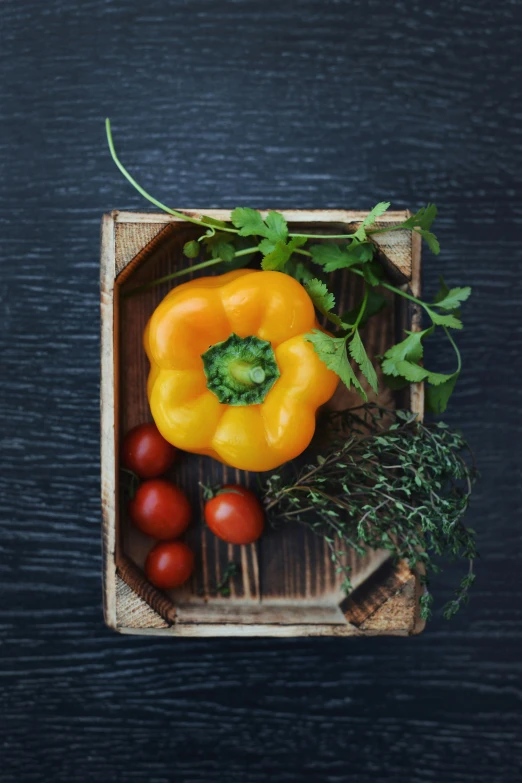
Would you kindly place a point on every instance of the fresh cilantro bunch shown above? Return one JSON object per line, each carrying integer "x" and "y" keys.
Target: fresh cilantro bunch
{"x": 345, "y": 349}
{"x": 233, "y": 244}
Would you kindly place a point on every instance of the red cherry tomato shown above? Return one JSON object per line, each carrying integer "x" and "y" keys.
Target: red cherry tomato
{"x": 169, "y": 564}
{"x": 235, "y": 515}
{"x": 146, "y": 452}
{"x": 160, "y": 509}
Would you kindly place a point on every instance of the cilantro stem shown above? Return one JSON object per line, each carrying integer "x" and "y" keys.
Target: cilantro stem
{"x": 386, "y": 229}
{"x": 146, "y": 195}
{"x": 350, "y": 236}
{"x": 185, "y": 271}
{"x": 455, "y": 348}
{"x": 363, "y": 308}
{"x": 322, "y": 236}
{"x": 405, "y": 295}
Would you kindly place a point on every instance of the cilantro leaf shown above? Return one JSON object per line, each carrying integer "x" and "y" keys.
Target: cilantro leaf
{"x": 453, "y": 298}
{"x": 438, "y": 378}
{"x": 378, "y": 210}
{"x": 411, "y": 349}
{"x": 358, "y": 354}
{"x": 333, "y": 257}
{"x": 444, "y": 320}
{"x": 402, "y": 361}
{"x": 277, "y": 225}
{"x": 437, "y": 396}
{"x": 422, "y": 219}
{"x": 332, "y": 352}
{"x": 430, "y": 239}
{"x": 443, "y": 294}
{"x": 425, "y": 216}
{"x": 421, "y": 223}
{"x": 224, "y": 250}
{"x": 277, "y": 258}
{"x": 220, "y": 245}
{"x": 412, "y": 372}
{"x": 250, "y": 223}
{"x": 266, "y": 246}
{"x": 363, "y": 250}
{"x": 322, "y": 298}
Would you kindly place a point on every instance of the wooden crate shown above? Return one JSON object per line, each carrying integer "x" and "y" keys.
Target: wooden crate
{"x": 288, "y": 585}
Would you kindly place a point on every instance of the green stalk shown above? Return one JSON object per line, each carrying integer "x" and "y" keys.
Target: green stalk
{"x": 185, "y": 271}
{"x": 146, "y": 195}
{"x": 363, "y": 308}
{"x": 455, "y": 348}
{"x": 322, "y": 236}
{"x": 386, "y": 229}
{"x": 398, "y": 291}
{"x": 349, "y": 236}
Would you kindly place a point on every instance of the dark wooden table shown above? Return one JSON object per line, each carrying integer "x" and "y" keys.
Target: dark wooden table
{"x": 310, "y": 104}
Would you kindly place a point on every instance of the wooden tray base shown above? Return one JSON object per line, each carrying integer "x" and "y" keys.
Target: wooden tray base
{"x": 288, "y": 585}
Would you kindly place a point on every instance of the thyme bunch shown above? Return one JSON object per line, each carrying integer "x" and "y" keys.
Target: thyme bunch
{"x": 396, "y": 484}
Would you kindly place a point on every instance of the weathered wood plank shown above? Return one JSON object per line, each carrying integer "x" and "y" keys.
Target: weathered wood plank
{"x": 108, "y": 436}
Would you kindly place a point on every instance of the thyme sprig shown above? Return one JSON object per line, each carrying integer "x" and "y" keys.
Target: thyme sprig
{"x": 396, "y": 484}
{"x": 223, "y": 586}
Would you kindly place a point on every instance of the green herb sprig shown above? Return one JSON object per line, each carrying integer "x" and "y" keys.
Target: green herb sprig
{"x": 223, "y": 586}
{"x": 233, "y": 244}
{"x": 395, "y": 484}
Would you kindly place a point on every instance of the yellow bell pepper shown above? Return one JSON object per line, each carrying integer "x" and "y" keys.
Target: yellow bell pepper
{"x": 231, "y": 373}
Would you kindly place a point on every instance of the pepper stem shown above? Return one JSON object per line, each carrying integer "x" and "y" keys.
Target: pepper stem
{"x": 246, "y": 373}
{"x": 240, "y": 370}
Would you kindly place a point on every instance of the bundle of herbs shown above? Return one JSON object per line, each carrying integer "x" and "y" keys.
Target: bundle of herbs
{"x": 390, "y": 482}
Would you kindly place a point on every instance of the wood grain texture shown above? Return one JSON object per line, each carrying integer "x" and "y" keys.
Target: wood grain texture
{"x": 320, "y": 104}
{"x": 287, "y": 579}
